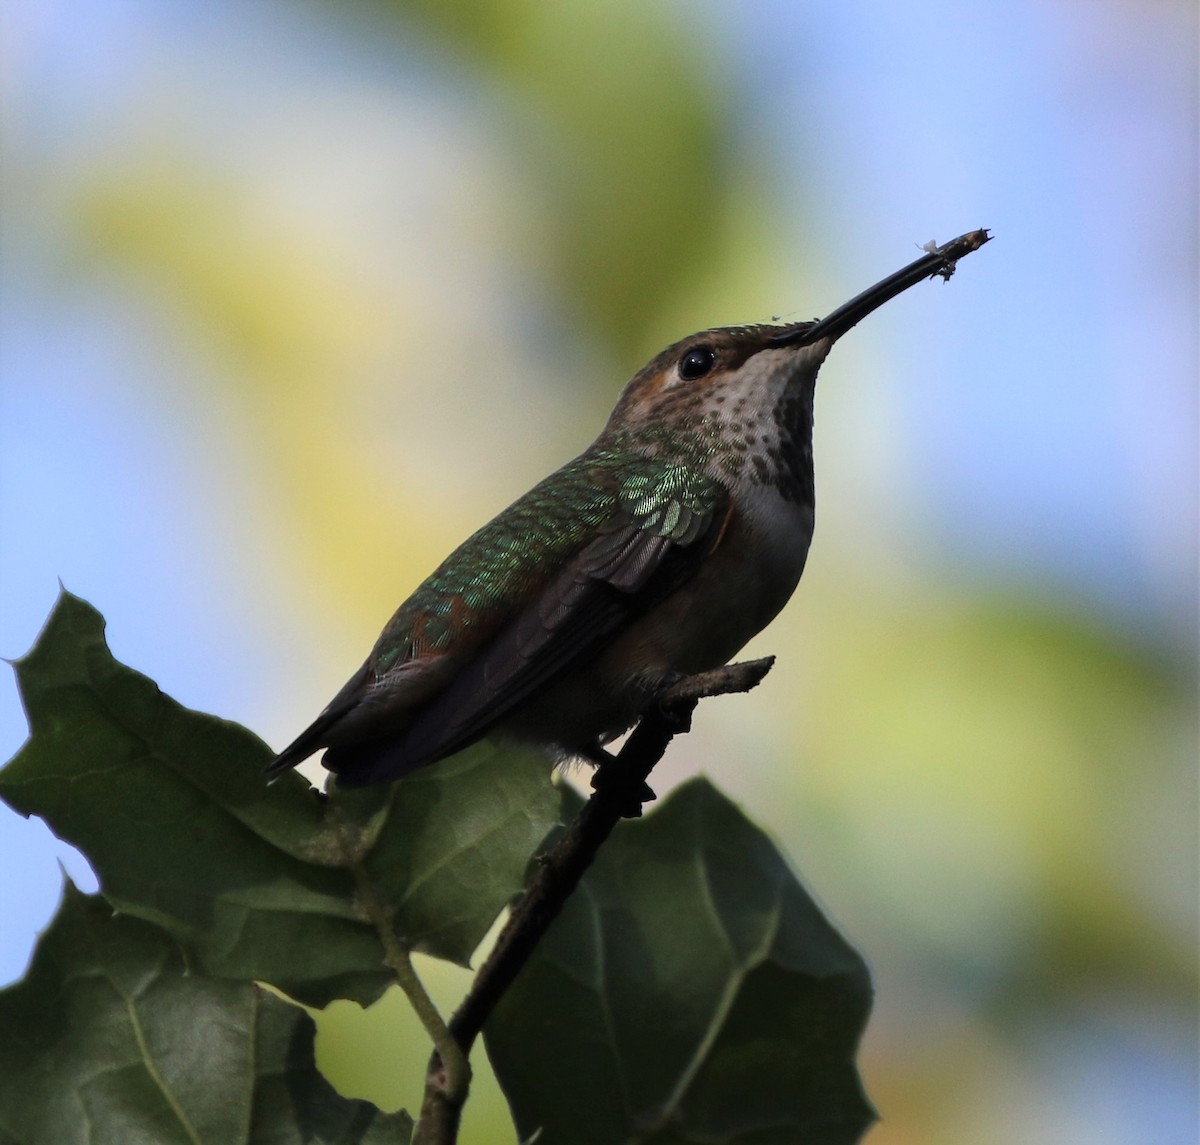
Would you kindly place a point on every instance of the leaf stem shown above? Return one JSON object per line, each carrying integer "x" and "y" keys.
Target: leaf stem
{"x": 457, "y": 1079}
{"x": 454, "y": 1078}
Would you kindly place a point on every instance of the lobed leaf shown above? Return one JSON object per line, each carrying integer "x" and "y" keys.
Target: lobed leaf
{"x": 697, "y": 993}
{"x": 257, "y": 882}
{"x": 110, "y": 1038}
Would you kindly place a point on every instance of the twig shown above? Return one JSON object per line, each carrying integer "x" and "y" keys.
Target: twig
{"x": 620, "y": 789}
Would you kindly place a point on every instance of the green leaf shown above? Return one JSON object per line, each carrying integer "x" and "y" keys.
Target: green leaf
{"x": 257, "y": 882}
{"x": 109, "y": 1038}
{"x": 691, "y": 992}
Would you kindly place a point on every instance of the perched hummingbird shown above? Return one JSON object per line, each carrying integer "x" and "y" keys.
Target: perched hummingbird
{"x": 658, "y": 552}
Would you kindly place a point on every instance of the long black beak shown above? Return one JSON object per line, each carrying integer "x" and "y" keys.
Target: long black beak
{"x": 939, "y": 261}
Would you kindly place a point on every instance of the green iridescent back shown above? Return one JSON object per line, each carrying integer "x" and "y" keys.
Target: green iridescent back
{"x": 491, "y": 575}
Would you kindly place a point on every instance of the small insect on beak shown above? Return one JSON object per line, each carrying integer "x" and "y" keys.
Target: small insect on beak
{"x": 938, "y": 261}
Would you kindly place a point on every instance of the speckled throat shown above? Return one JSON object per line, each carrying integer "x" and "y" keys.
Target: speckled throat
{"x": 748, "y": 422}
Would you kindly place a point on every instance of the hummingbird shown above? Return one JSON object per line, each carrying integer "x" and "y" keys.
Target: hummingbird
{"x": 658, "y": 552}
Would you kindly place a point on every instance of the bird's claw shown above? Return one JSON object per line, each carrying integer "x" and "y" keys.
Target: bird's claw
{"x": 628, "y": 799}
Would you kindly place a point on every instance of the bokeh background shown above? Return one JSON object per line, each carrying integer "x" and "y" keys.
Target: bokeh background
{"x": 294, "y": 295}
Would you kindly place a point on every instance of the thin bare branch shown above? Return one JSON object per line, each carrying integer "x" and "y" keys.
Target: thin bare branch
{"x": 619, "y": 791}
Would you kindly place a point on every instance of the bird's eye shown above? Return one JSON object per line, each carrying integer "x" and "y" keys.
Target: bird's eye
{"x": 697, "y": 362}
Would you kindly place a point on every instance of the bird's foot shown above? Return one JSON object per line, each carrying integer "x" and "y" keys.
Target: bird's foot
{"x": 629, "y": 794}
{"x": 596, "y": 755}
{"x": 679, "y": 718}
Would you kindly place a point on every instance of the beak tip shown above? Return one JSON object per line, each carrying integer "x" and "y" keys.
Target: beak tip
{"x": 938, "y": 261}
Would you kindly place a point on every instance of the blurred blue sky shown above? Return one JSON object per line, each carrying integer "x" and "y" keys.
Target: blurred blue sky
{"x": 1066, "y": 128}
{"x": 1073, "y": 450}
{"x": 1041, "y": 426}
